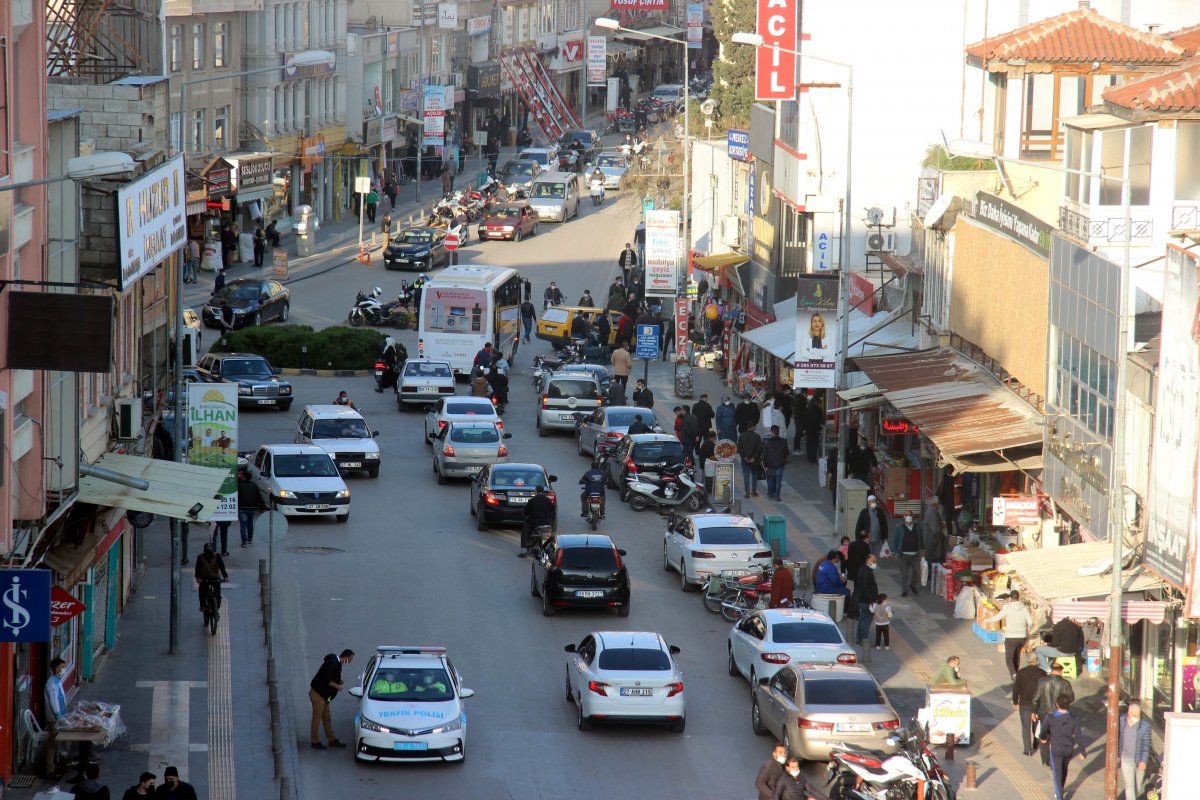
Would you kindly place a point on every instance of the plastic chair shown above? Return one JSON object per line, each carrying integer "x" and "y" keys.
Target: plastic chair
{"x": 36, "y": 736}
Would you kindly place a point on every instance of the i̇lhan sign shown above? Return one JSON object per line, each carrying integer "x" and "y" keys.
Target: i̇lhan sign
{"x": 151, "y": 220}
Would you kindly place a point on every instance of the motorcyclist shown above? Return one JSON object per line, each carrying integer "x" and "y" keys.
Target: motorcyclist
{"x": 581, "y": 329}
{"x": 210, "y": 571}
{"x": 597, "y": 183}
{"x": 553, "y": 296}
{"x": 539, "y": 511}
{"x": 592, "y": 482}
{"x": 498, "y": 382}
{"x": 479, "y": 383}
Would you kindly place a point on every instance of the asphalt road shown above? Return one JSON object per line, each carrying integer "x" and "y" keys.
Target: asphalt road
{"x": 409, "y": 568}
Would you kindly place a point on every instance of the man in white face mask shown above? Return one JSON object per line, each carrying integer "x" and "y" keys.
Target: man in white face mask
{"x": 792, "y": 786}
{"x": 908, "y": 545}
{"x": 770, "y": 773}
{"x": 873, "y": 521}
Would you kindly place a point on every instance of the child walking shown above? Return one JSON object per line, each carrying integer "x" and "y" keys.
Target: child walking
{"x": 881, "y": 614}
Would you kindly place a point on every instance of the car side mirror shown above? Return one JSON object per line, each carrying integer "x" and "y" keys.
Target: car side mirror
{"x": 764, "y": 682}
{"x": 553, "y": 478}
{"x": 569, "y": 648}
{"x": 275, "y": 370}
{"x": 621, "y": 552}
{"x": 673, "y": 650}
{"x": 374, "y": 434}
{"x": 464, "y": 693}
{"x": 356, "y": 691}
{"x": 508, "y": 436}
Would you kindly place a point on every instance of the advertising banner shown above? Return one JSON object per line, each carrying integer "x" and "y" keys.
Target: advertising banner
{"x": 25, "y": 594}
{"x": 647, "y": 342}
{"x": 212, "y": 432}
{"x": 638, "y": 5}
{"x": 815, "y": 364}
{"x": 738, "y": 144}
{"x": 695, "y": 25}
{"x": 477, "y": 26}
{"x": 775, "y": 69}
{"x": 597, "y": 55}
{"x": 662, "y": 253}
{"x": 447, "y": 16}
{"x": 1014, "y": 222}
{"x": 63, "y": 606}
{"x": 1014, "y": 510}
{"x": 862, "y": 293}
{"x": 435, "y": 115}
{"x": 151, "y": 220}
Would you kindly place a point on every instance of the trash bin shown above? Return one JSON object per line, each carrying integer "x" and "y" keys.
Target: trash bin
{"x": 774, "y": 532}
{"x": 305, "y": 227}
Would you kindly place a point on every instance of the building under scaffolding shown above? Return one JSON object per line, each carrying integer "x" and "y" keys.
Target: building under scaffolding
{"x": 99, "y": 41}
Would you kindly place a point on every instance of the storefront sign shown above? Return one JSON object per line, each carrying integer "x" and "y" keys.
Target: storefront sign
{"x": 291, "y": 71}
{"x": 312, "y": 150}
{"x": 681, "y": 327}
{"x": 597, "y": 60}
{"x": 212, "y": 418}
{"x": 279, "y": 262}
{"x": 639, "y": 5}
{"x": 1014, "y": 222}
{"x": 815, "y": 364}
{"x": 393, "y": 44}
{"x": 1015, "y": 510}
{"x": 897, "y": 426}
{"x": 662, "y": 253}
{"x": 484, "y": 79}
{"x": 570, "y": 51}
{"x": 477, "y": 26}
{"x": 775, "y": 68}
{"x": 254, "y": 173}
{"x": 391, "y": 129}
{"x": 63, "y": 606}
{"x": 723, "y": 485}
{"x": 1173, "y": 452}
{"x": 862, "y": 293}
{"x": 436, "y": 100}
{"x": 219, "y": 179}
{"x": 447, "y": 16}
{"x": 695, "y": 25}
{"x": 738, "y": 144}
{"x": 151, "y": 220}
{"x": 25, "y": 605}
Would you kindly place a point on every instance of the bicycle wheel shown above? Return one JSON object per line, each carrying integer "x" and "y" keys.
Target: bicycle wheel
{"x": 713, "y": 600}
{"x": 214, "y": 617}
{"x": 734, "y": 608}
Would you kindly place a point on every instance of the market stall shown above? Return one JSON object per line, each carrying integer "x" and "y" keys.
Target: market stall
{"x": 90, "y": 723}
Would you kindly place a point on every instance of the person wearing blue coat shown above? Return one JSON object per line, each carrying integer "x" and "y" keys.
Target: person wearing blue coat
{"x": 829, "y": 577}
{"x": 725, "y": 420}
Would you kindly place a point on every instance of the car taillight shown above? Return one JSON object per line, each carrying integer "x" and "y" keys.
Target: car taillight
{"x": 629, "y": 465}
{"x": 448, "y": 451}
{"x": 500, "y": 424}
{"x": 612, "y": 435}
{"x": 775, "y": 658}
{"x": 598, "y": 687}
{"x": 763, "y": 554}
{"x": 553, "y": 497}
{"x": 815, "y": 726}
{"x": 676, "y": 688}
{"x": 847, "y": 658}
{"x": 441, "y": 423}
{"x": 617, "y": 556}
{"x": 703, "y": 554}
{"x": 889, "y": 725}
{"x": 503, "y": 451}
{"x": 492, "y": 498}
{"x": 558, "y": 559}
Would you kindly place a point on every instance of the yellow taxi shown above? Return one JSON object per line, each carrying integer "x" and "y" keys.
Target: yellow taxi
{"x": 555, "y": 324}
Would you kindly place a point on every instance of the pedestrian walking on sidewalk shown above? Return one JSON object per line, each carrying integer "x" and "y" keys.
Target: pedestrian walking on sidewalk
{"x": 814, "y": 424}
{"x": 747, "y": 413}
{"x": 766, "y": 413}
{"x": 220, "y": 531}
{"x": 249, "y": 504}
{"x": 906, "y": 543}
{"x": 1050, "y": 690}
{"x": 219, "y": 281}
{"x": 933, "y": 526}
{"x": 90, "y": 788}
{"x": 174, "y": 789}
{"x": 1063, "y": 737}
{"x": 770, "y": 773}
{"x": 321, "y": 690}
{"x": 691, "y": 433}
{"x": 372, "y": 204}
{"x": 642, "y": 396}
{"x": 792, "y": 785}
{"x": 260, "y": 244}
{"x": 1134, "y": 749}
{"x": 749, "y": 447}
{"x": 1024, "y": 698}
{"x": 866, "y": 594}
{"x": 724, "y": 416}
{"x": 881, "y": 615}
{"x": 873, "y": 522}
{"x": 775, "y": 457}
{"x": 1017, "y": 623}
{"x": 799, "y": 413}
{"x": 143, "y": 788}
{"x": 704, "y": 413}
{"x": 385, "y": 227}
{"x": 528, "y": 315}
{"x": 622, "y": 363}
{"x": 856, "y": 555}
{"x": 191, "y": 267}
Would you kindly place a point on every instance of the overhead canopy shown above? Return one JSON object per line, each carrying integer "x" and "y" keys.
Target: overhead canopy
{"x": 722, "y": 260}
{"x": 976, "y": 423}
{"x": 1053, "y": 573}
{"x": 1132, "y": 610}
{"x": 865, "y": 396}
{"x": 175, "y": 489}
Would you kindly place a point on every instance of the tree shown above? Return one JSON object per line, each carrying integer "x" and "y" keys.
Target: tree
{"x": 733, "y": 71}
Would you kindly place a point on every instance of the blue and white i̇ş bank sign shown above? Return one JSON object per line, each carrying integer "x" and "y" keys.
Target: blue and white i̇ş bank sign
{"x": 24, "y": 605}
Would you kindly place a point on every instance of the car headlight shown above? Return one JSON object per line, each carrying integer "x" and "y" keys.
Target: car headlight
{"x": 285, "y": 390}
{"x": 448, "y": 727}
{"x": 367, "y": 725}
{"x": 507, "y": 228}
{"x": 344, "y": 493}
{"x": 285, "y": 494}
{"x": 372, "y": 455}
{"x": 243, "y": 390}
{"x": 421, "y": 254}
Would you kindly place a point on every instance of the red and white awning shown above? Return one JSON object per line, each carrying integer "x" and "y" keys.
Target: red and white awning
{"x": 1132, "y": 611}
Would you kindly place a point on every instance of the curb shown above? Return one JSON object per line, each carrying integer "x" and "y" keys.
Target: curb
{"x": 325, "y": 373}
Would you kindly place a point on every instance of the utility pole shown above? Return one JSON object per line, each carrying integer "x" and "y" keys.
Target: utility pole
{"x": 420, "y": 99}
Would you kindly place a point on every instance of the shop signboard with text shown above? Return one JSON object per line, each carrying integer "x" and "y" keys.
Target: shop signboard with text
{"x": 738, "y": 144}
{"x": 1015, "y": 510}
{"x": 597, "y": 56}
{"x": 639, "y": 5}
{"x": 254, "y": 174}
{"x": 662, "y": 253}
{"x": 437, "y": 100}
{"x": 212, "y": 432}
{"x": 151, "y": 220}
{"x": 774, "y": 67}
{"x": 815, "y": 363}
{"x": 695, "y": 25}
{"x": 682, "y": 333}
{"x": 1013, "y": 222}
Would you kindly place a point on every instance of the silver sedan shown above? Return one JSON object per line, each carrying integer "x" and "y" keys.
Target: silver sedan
{"x": 612, "y": 166}
{"x": 606, "y": 426}
{"x": 462, "y": 449}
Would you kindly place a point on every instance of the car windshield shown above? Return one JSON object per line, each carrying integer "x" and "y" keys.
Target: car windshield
{"x": 805, "y": 633}
{"x": 588, "y": 558}
{"x": 636, "y": 659}
{"x": 424, "y": 369}
{"x": 529, "y": 155}
{"x": 569, "y": 387}
{"x": 658, "y": 452}
{"x": 517, "y": 478}
{"x": 340, "y": 429}
{"x": 476, "y": 435}
{"x": 411, "y": 685}
{"x": 239, "y": 291}
{"x": 304, "y": 465}
{"x": 621, "y": 419}
{"x": 726, "y": 536}
{"x": 549, "y": 190}
{"x": 470, "y": 408}
{"x": 416, "y": 237}
{"x": 611, "y": 161}
{"x": 843, "y": 692}
{"x": 517, "y": 169}
{"x": 507, "y": 212}
{"x": 246, "y": 368}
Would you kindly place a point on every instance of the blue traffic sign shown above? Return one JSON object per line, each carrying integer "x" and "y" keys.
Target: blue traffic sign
{"x": 647, "y": 342}
{"x": 24, "y": 605}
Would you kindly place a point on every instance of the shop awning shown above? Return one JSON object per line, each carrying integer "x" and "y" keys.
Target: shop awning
{"x": 616, "y": 48}
{"x": 1132, "y": 610}
{"x": 962, "y": 408}
{"x": 175, "y": 489}
{"x": 1054, "y": 573}
{"x": 777, "y": 338}
{"x": 900, "y": 265}
{"x": 722, "y": 260}
{"x": 654, "y": 30}
{"x": 865, "y": 396}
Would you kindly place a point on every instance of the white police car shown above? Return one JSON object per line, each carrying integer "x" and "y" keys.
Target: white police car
{"x": 410, "y": 707}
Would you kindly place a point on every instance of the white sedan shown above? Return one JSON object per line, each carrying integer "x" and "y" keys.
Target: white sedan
{"x": 625, "y": 676}
{"x": 765, "y": 642}
{"x": 300, "y": 480}
{"x": 423, "y": 381}
{"x": 700, "y": 545}
{"x": 459, "y": 409}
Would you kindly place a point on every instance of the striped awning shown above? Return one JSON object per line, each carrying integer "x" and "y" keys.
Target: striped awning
{"x": 1131, "y": 610}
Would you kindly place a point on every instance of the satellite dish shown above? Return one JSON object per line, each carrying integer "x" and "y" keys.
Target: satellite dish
{"x": 708, "y": 107}
{"x": 875, "y": 215}
{"x": 940, "y": 206}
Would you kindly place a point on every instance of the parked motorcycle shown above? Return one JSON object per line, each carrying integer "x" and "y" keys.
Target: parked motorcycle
{"x": 370, "y": 310}
{"x": 675, "y": 489}
{"x": 913, "y": 772}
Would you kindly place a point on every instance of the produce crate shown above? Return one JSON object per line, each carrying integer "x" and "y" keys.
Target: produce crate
{"x": 991, "y": 637}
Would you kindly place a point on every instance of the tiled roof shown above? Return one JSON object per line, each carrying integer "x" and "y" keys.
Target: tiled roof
{"x": 1187, "y": 38}
{"x": 1174, "y": 91}
{"x": 1079, "y": 36}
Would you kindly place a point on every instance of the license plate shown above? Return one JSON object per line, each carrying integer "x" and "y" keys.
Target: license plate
{"x": 269, "y": 402}
{"x": 853, "y": 727}
{"x": 317, "y": 507}
{"x": 351, "y": 465}
{"x": 589, "y": 593}
{"x": 409, "y": 746}
{"x": 566, "y": 417}
{"x": 520, "y": 501}
{"x": 401, "y": 260}
{"x": 626, "y": 692}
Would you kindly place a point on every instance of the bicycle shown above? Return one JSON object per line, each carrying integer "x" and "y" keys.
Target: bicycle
{"x": 212, "y": 607}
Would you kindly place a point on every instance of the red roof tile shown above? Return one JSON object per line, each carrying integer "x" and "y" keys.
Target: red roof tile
{"x": 1187, "y": 38}
{"x": 1175, "y": 91}
{"x": 1079, "y": 36}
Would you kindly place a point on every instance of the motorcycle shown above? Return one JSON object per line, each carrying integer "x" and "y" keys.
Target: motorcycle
{"x": 369, "y": 310}
{"x": 912, "y": 772}
{"x": 536, "y": 539}
{"x": 597, "y": 192}
{"x": 595, "y": 510}
{"x": 674, "y": 489}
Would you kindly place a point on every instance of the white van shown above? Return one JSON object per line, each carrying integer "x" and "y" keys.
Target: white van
{"x": 555, "y": 196}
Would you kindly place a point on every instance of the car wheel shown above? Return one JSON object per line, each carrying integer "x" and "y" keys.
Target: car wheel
{"x": 547, "y": 606}
{"x": 756, "y": 724}
{"x": 733, "y": 670}
{"x": 684, "y": 584}
{"x": 579, "y": 444}
{"x": 625, "y": 493}
{"x": 678, "y": 725}
{"x": 567, "y": 685}
{"x": 787, "y": 741}
{"x": 481, "y": 523}
{"x": 373, "y": 473}
{"x": 584, "y": 723}
{"x": 344, "y": 517}
{"x": 533, "y": 231}
{"x": 542, "y": 432}
{"x": 623, "y": 611}
{"x": 517, "y": 236}
{"x": 256, "y": 319}
{"x": 285, "y": 313}
{"x": 533, "y": 590}
{"x": 440, "y": 477}
{"x": 666, "y": 560}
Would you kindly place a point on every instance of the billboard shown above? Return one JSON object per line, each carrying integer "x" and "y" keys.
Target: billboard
{"x": 815, "y": 362}
{"x": 774, "y": 67}
{"x": 151, "y": 220}
{"x": 695, "y": 25}
{"x": 212, "y": 432}
{"x": 438, "y": 99}
{"x": 597, "y": 60}
{"x": 662, "y": 253}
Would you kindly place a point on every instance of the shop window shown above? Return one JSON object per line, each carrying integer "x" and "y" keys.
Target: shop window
{"x": 197, "y": 130}
{"x": 221, "y": 128}
{"x": 198, "y": 45}
{"x": 176, "y": 48}
{"x": 220, "y": 41}
{"x": 176, "y": 133}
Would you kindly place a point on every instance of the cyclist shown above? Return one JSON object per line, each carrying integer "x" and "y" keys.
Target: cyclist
{"x": 592, "y": 482}
{"x": 539, "y": 511}
{"x": 553, "y": 296}
{"x": 210, "y": 571}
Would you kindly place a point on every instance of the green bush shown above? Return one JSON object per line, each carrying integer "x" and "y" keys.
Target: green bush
{"x": 299, "y": 346}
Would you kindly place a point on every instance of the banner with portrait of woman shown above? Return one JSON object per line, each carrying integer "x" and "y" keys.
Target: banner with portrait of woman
{"x": 814, "y": 365}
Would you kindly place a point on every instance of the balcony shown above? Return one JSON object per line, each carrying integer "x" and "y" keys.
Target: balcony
{"x": 1104, "y": 226}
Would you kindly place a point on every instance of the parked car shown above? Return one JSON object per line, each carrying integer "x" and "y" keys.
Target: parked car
{"x": 422, "y": 382}
{"x": 258, "y": 383}
{"x": 519, "y": 173}
{"x": 563, "y": 394}
{"x": 580, "y": 570}
{"x": 343, "y": 433}
{"x": 512, "y": 221}
{"x": 607, "y": 425}
{"x": 462, "y": 449}
{"x": 625, "y": 676}
{"x": 247, "y": 301}
{"x": 812, "y": 708}
{"x": 500, "y": 493}
{"x": 417, "y": 249}
{"x": 300, "y": 480}
{"x": 612, "y": 166}
{"x": 699, "y": 545}
{"x": 766, "y": 641}
{"x": 646, "y": 454}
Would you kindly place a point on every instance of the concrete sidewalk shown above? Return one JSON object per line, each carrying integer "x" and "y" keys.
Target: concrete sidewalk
{"x": 925, "y": 633}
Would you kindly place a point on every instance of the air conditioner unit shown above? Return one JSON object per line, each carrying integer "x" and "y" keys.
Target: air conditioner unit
{"x": 129, "y": 419}
{"x": 881, "y": 242}
{"x": 352, "y": 44}
{"x": 731, "y": 231}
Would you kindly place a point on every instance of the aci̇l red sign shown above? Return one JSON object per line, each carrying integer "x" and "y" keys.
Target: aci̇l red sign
{"x": 775, "y": 77}
{"x": 63, "y": 606}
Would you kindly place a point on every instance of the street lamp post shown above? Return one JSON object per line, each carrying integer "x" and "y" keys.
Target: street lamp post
{"x": 308, "y": 58}
{"x": 613, "y": 25}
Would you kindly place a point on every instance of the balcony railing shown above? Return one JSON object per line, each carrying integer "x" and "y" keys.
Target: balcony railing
{"x": 1106, "y": 225}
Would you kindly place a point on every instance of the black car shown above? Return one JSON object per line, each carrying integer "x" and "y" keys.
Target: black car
{"x": 500, "y": 492}
{"x": 586, "y": 143}
{"x": 247, "y": 301}
{"x": 417, "y": 248}
{"x": 582, "y": 570}
{"x": 646, "y": 454}
{"x": 258, "y": 384}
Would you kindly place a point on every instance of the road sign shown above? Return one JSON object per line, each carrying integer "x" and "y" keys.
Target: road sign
{"x": 274, "y": 523}
{"x": 647, "y": 342}
{"x": 24, "y": 605}
{"x": 451, "y": 242}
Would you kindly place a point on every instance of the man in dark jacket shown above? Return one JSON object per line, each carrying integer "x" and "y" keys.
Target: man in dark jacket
{"x": 792, "y": 785}
{"x": 1050, "y": 690}
{"x": 690, "y": 432}
{"x": 747, "y": 414}
{"x": 856, "y": 554}
{"x": 1062, "y": 736}
{"x": 91, "y": 788}
{"x": 628, "y": 262}
{"x": 321, "y": 690}
{"x": 775, "y": 456}
{"x": 528, "y": 317}
{"x": 749, "y": 447}
{"x": 639, "y": 426}
{"x": 173, "y": 788}
{"x": 866, "y": 592}
{"x": 799, "y": 413}
{"x": 642, "y": 396}
{"x": 814, "y": 424}
{"x": 770, "y": 773}
{"x": 873, "y": 521}
{"x": 249, "y": 504}
{"x": 704, "y": 414}
{"x": 539, "y": 511}
{"x": 1024, "y": 695}
{"x": 1066, "y": 639}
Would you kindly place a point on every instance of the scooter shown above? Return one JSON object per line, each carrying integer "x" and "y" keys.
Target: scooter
{"x": 597, "y": 192}
{"x": 673, "y": 490}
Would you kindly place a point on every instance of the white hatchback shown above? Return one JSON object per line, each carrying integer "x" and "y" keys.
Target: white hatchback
{"x": 766, "y": 641}
{"x": 625, "y": 676}
{"x": 700, "y": 545}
